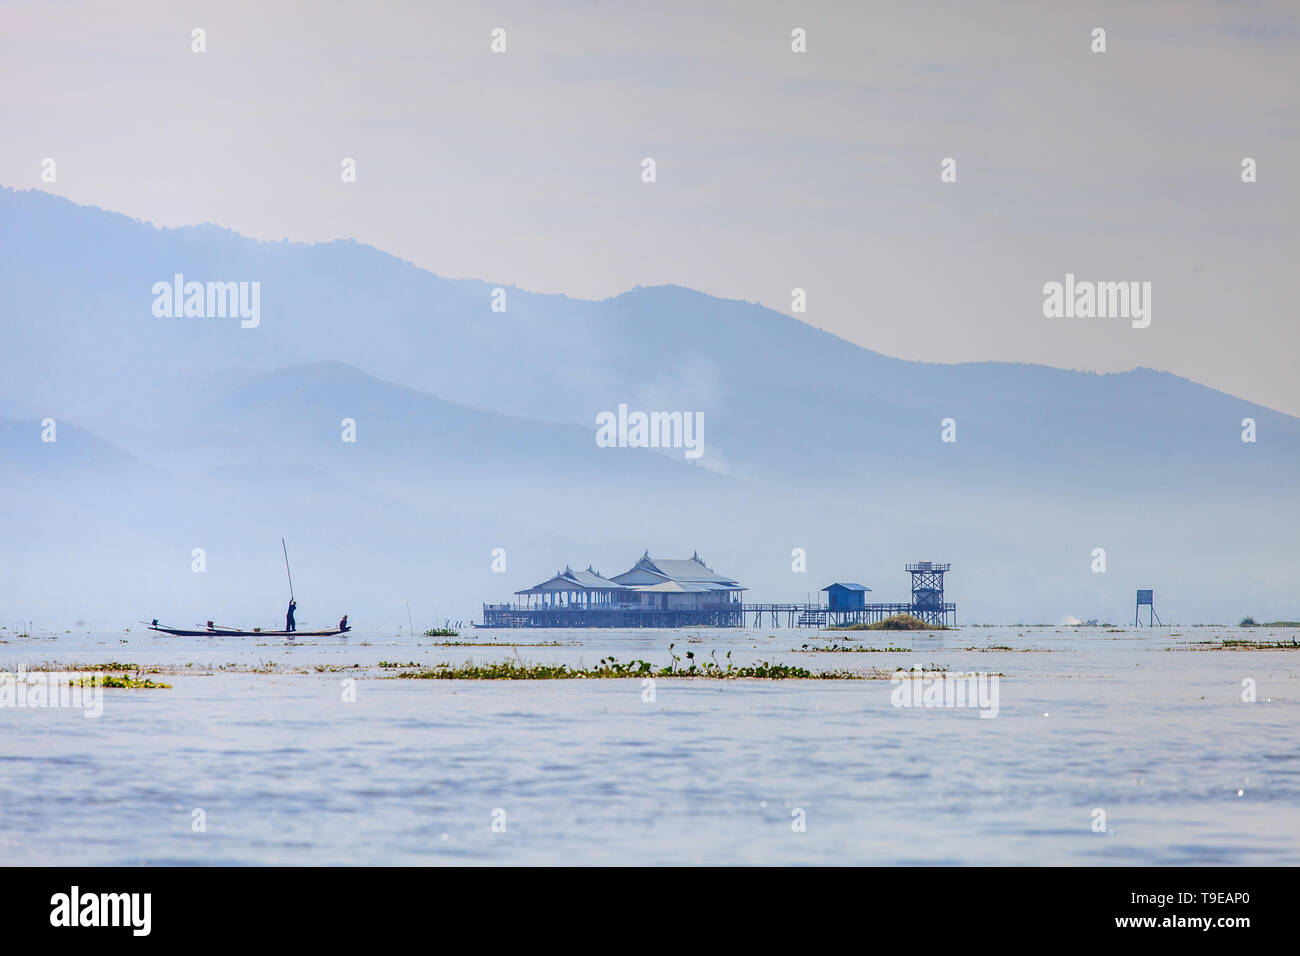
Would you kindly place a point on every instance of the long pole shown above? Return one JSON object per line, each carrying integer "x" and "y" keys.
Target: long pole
{"x": 286, "y": 567}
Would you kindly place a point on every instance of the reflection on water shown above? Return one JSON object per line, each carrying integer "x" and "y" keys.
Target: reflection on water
{"x": 236, "y": 767}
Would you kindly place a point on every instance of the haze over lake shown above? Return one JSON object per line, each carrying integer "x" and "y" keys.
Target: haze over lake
{"x": 474, "y": 430}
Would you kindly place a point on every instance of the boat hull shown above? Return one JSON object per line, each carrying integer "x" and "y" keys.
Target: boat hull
{"x": 225, "y": 632}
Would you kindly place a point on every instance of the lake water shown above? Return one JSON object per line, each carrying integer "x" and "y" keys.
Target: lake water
{"x": 1139, "y": 724}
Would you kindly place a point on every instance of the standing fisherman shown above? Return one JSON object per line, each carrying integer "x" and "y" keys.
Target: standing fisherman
{"x": 289, "y": 624}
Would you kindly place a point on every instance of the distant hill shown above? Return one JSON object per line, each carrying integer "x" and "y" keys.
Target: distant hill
{"x": 476, "y": 427}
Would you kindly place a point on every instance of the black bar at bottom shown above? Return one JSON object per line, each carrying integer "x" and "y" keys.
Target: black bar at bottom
{"x": 331, "y": 906}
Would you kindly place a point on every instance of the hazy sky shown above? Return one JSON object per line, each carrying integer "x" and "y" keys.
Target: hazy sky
{"x": 775, "y": 170}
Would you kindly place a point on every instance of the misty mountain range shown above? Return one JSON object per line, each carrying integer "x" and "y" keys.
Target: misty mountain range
{"x": 475, "y": 430}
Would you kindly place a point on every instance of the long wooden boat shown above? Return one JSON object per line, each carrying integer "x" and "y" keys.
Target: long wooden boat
{"x": 219, "y": 630}
{"x": 216, "y": 631}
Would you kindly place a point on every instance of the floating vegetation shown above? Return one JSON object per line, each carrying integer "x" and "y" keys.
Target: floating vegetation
{"x": 896, "y": 622}
{"x": 393, "y": 664}
{"x": 856, "y": 648}
{"x": 1014, "y": 650}
{"x": 126, "y": 682}
{"x": 110, "y": 666}
{"x": 1236, "y": 644}
{"x": 506, "y": 644}
{"x": 442, "y": 632}
{"x": 611, "y": 667}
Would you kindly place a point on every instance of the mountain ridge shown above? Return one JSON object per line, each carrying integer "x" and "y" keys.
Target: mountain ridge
{"x": 476, "y": 431}
{"x": 234, "y": 238}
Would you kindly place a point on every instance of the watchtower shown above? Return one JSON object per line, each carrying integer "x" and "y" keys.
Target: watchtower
{"x": 927, "y": 593}
{"x": 1146, "y": 598}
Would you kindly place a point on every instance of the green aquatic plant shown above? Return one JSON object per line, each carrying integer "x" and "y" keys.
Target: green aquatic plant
{"x": 858, "y": 648}
{"x": 611, "y": 667}
{"x": 110, "y": 666}
{"x": 442, "y": 632}
{"x": 506, "y": 644}
{"x": 895, "y": 622}
{"x": 126, "y": 681}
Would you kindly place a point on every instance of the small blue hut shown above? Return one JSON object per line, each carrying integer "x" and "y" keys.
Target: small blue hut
{"x": 846, "y": 596}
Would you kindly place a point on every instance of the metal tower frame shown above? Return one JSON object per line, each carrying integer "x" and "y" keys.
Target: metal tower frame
{"x": 1149, "y": 601}
{"x": 927, "y": 579}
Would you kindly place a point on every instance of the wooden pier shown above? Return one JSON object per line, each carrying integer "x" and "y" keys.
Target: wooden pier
{"x": 728, "y": 615}
{"x": 820, "y": 615}
{"x": 612, "y": 615}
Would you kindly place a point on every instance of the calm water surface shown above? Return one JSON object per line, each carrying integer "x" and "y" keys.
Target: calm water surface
{"x": 1138, "y": 723}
